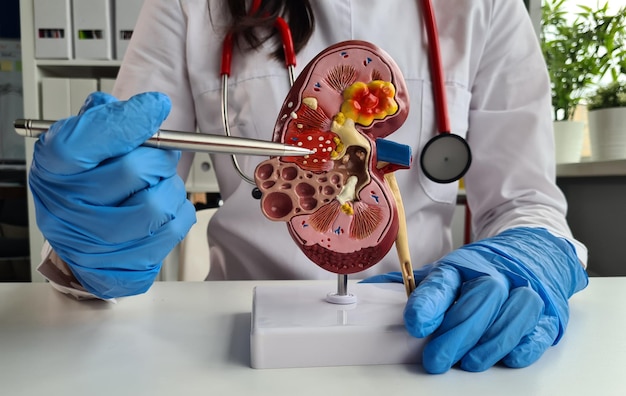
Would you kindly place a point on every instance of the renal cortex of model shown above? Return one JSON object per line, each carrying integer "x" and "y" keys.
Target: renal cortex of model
{"x": 341, "y": 204}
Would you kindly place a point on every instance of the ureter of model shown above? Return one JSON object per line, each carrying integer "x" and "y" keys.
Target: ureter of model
{"x": 402, "y": 240}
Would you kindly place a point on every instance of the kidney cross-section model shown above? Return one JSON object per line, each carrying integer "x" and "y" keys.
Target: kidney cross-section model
{"x": 337, "y": 203}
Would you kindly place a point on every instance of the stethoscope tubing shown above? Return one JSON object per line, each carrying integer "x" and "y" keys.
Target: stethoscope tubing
{"x": 436, "y": 68}
{"x": 225, "y": 70}
{"x": 226, "y": 125}
{"x": 441, "y": 170}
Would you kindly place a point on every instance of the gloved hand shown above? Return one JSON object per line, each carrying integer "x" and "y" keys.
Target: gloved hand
{"x": 499, "y": 299}
{"x": 110, "y": 209}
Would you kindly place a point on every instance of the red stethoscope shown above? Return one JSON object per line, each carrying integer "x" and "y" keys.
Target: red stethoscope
{"x": 444, "y": 159}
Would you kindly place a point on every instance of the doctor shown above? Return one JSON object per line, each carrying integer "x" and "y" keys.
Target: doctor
{"x": 112, "y": 210}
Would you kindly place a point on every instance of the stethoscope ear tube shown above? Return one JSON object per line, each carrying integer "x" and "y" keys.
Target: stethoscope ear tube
{"x": 225, "y": 70}
{"x": 445, "y": 158}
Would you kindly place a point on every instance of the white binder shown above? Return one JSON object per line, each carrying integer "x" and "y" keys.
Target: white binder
{"x": 63, "y": 97}
{"x": 53, "y": 29}
{"x": 106, "y": 85}
{"x": 93, "y": 26}
{"x": 80, "y": 88}
{"x": 55, "y": 98}
{"x": 126, "y": 14}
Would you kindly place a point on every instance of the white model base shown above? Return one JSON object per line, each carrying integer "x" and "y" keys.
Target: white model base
{"x": 295, "y": 326}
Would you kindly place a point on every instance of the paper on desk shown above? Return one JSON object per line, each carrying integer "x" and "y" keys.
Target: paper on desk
{"x": 60, "y": 277}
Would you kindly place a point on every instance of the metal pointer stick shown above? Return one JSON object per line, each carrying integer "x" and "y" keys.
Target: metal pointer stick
{"x": 187, "y": 141}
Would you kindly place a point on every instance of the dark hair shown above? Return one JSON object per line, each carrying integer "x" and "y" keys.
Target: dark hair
{"x": 254, "y": 30}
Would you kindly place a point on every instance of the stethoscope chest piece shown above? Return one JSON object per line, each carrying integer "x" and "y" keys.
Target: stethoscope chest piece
{"x": 446, "y": 158}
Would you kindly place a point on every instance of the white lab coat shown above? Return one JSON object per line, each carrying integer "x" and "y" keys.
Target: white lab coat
{"x": 498, "y": 97}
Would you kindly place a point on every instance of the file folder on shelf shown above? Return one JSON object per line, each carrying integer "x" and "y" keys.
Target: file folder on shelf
{"x": 126, "y": 14}
{"x": 80, "y": 88}
{"x": 63, "y": 97}
{"x": 53, "y": 29}
{"x": 93, "y": 25}
{"x": 55, "y": 98}
{"x": 106, "y": 85}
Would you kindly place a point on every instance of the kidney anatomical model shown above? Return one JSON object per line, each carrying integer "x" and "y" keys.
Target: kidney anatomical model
{"x": 340, "y": 203}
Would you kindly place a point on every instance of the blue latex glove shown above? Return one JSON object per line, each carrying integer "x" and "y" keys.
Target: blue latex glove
{"x": 110, "y": 209}
{"x": 499, "y": 299}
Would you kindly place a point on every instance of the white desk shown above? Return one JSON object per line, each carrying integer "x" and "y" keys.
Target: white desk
{"x": 192, "y": 338}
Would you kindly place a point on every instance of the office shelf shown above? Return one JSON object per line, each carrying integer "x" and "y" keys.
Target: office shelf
{"x": 592, "y": 169}
{"x": 202, "y": 177}
{"x": 33, "y": 71}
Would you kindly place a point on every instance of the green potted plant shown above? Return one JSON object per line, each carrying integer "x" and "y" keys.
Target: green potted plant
{"x": 607, "y": 114}
{"x": 579, "y": 50}
{"x": 567, "y": 48}
{"x": 607, "y": 121}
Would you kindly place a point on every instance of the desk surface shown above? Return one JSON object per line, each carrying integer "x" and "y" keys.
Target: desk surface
{"x": 192, "y": 338}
